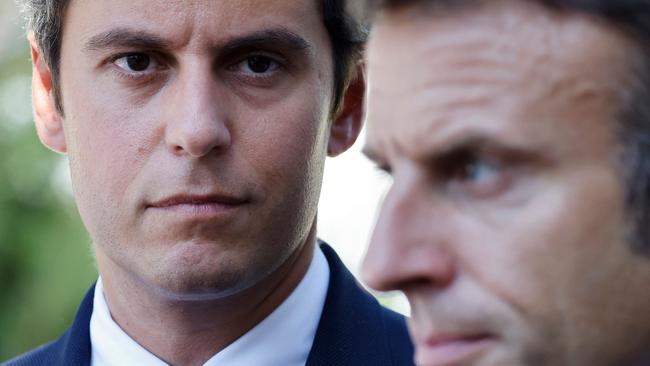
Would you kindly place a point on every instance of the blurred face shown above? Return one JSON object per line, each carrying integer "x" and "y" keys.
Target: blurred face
{"x": 196, "y": 132}
{"x": 504, "y": 225}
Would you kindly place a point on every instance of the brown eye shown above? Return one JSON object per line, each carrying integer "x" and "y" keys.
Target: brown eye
{"x": 138, "y": 62}
{"x": 135, "y": 63}
{"x": 259, "y": 64}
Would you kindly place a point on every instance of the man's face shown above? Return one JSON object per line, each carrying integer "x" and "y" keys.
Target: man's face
{"x": 196, "y": 132}
{"x": 505, "y": 225}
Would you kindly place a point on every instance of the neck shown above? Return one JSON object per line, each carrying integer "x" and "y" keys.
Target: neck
{"x": 182, "y": 332}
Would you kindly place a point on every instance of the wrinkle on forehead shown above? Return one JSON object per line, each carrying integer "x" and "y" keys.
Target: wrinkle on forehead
{"x": 506, "y": 56}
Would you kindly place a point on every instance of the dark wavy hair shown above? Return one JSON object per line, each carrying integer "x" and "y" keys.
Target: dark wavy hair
{"x": 347, "y": 35}
{"x": 633, "y": 17}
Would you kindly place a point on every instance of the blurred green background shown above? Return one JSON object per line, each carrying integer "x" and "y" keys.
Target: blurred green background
{"x": 45, "y": 260}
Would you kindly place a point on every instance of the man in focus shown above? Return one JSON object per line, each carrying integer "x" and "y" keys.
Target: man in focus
{"x": 197, "y": 133}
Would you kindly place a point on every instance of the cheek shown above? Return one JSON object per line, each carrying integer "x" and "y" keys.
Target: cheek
{"x": 538, "y": 257}
{"x": 109, "y": 126}
{"x": 287, "y": 142}
{"x": 108, "y": 146}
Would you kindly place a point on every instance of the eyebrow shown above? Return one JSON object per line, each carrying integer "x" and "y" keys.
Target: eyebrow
{"x": 281, "y": 37}
{"x": 128, "y": 38}
{"x": 477, "y": 141}
{"x": 123, "y": 37}
{"x": 467, "y": 143}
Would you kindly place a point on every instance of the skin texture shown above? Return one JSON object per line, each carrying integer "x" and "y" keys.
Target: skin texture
{"x": 186, "y": 278}
{"x": 505, "y": 222}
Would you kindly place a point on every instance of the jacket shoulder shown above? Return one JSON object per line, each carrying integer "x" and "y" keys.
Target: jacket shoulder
{"x": 71, "y": 349}
{"x": 399, "y": 341}
{"x": 355, "y": 330}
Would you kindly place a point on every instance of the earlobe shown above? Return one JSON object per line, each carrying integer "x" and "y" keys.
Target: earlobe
{"x": 348, "y": 122}
{"x": 49, "y": 123}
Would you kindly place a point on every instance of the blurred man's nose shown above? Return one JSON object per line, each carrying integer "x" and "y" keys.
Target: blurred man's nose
{"x": 408, "y": 247}
{"x": 196, "y": 113}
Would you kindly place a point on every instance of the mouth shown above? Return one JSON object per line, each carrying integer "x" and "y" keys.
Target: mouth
{"x": 442, "y": 349}
{"x": 198, "y": 205}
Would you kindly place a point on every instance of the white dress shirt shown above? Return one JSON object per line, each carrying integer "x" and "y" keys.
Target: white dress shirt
{"x": 284, "y": 338}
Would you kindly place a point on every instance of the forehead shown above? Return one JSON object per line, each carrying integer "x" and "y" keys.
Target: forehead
{"x": 493, "y": 66}
{"x": 202, "y": 20}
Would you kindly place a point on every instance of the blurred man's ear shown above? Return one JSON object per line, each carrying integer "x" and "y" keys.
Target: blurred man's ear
{"x": 348, "y": 122}
{"x": 49, "y": 123}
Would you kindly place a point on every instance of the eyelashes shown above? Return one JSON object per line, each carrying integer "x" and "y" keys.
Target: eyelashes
{"x": 256, "y": 68}
{"x": 137, "y": 66}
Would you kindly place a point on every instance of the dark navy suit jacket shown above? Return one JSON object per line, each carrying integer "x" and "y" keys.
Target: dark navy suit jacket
{"x": 354, "y": 330}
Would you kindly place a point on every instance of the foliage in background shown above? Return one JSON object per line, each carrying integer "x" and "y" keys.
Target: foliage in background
{"x": 45, "y": 260}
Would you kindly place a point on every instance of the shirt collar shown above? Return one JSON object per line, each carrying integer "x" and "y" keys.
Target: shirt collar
{"x": 284, "y": 337}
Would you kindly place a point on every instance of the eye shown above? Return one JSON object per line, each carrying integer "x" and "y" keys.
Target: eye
{"x": 257, "y": 65}
{"x": 478, "y": 177}
{"x": 479, "y": 172}
{"x": 136, "y": 63}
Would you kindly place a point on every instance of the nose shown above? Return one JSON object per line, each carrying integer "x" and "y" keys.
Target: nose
{"x": 197, "y": 116}
{"x": 408, "y": 247}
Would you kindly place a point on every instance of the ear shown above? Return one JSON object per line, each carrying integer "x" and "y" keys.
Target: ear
{"x": 348, "y": 121}
{"x": 49, "y": 122}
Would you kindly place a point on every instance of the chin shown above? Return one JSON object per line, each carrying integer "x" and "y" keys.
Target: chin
{"x": 198, "y": 276}
{"x": 194, "y": 284}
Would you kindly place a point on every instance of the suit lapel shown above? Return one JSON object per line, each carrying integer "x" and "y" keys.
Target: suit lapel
{"x": 74, "y": 346}
{"x": 351, "y": 330}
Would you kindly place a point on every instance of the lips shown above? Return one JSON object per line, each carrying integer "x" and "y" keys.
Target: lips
{"x": 451, "y": 349}
{"x": 198, "y": 200}
{"x": 197, "y": 206}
